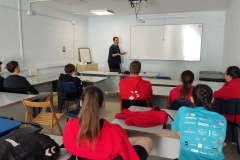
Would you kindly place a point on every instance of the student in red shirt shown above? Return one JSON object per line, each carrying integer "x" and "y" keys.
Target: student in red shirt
{"x": 134, "y": 87}
{"x": 93, "y": 138}
{"x": 231, "y": 89}
{"x": 184, "y": 90}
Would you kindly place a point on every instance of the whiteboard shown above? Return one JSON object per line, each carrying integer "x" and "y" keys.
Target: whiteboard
{"x": 84, "y": 55}
{"x": 168, "y": 42}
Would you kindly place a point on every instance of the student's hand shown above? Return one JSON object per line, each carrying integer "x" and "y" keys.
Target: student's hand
{"x": 123, "y": 53}
{"x": 224, "y": 144}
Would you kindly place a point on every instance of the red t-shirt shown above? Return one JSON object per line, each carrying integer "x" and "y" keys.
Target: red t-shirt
{"x": 229, "y": 90}
{"x": 112, "y": 141}
{"x": 175, "y": 94}
{"x": 135, "y": 88}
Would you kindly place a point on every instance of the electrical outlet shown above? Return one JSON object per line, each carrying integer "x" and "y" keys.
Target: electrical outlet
{"x": 64, "y": 49}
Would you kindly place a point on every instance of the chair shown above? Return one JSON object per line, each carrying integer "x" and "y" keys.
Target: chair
{"x": 67, "y": 89}
{"x": 176, "y": 104}
{"x": 126, "y": 103}
{"x": 163, "y": 77}
{"x": 44, "y": 118}
{"x": 230, "y": 107}
{"x": 73, "y": 113}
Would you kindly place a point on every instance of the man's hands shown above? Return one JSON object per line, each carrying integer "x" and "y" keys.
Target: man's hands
{"x": 123, "y": 53}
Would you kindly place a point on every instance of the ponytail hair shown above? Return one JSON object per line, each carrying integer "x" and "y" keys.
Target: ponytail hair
{"x": 187, "y": 80}
{"x": 202, "y": 95}
{"x": 233, "y": 71}
{"x": 92, "y": 100}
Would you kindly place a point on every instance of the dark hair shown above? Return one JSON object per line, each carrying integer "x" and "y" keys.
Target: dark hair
{"x": 69, "y": 68}
{"x": 114, "y": 38}
{"x": 135, "y": 67}
{"x": 0, "y": 63}
{"x": 11, "y": 66}
{"x": 92, "y": 99}
{"x": 202, "y": 95}
{"x": 187, "y": 80}
{"x": 233, "y": 71}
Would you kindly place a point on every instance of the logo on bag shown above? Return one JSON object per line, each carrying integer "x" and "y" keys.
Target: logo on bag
{"x": 13, "y": 143}
{"x": 49, "y": 152}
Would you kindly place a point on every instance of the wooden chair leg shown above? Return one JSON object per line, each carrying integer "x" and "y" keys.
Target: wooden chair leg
{"x": 59, "y": 128}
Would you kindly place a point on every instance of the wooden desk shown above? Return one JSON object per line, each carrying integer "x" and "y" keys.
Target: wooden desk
{"x": 163, "y": 139}
{"x": 11, "y": 105}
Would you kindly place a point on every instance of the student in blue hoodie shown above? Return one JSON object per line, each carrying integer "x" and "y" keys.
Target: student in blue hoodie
{"x": 202, "y": 131}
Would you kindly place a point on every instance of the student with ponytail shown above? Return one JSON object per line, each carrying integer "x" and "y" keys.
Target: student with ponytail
{"x": 202, "y": 131}
{"x": 184, "y": 90}
{"x": 90, "y": 137}
{"x": 231, "y": 89}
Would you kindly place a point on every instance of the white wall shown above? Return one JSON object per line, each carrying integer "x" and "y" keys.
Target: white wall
{"x": 44, "y": 35}
{"x": 104, "y": 28}
{"x": 231, "y": 52}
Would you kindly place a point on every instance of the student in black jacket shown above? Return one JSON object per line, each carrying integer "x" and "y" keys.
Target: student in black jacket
{"x": 16, "y": 81}
{"x": 67, "y": 77}
{"x": 1, "y": 79}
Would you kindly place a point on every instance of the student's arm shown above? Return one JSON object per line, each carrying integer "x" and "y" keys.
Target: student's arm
{"x": 28, "y": 87}
{"x": 223, "y": 93}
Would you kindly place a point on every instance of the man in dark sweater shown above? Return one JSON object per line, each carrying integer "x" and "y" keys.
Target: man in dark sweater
{"x": 67, "y": 77}
{"x": 19, "y": 82}
{"x": 1, "y": 79}
{"x": 114, "y": 56}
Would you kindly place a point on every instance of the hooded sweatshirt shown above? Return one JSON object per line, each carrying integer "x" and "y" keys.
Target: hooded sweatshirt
{"x": 135, "y": 88}
{"x": 76, "y": 80}
{"x": 229, "y": 90}
{"x": 111, "y": 142}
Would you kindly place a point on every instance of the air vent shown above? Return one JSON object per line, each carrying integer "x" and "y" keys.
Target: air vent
{"x": 70, "y": 1}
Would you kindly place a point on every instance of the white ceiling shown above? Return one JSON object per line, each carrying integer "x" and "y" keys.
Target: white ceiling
{"x": 122, "y": 7}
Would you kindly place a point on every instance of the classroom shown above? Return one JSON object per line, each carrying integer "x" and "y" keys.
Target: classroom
{"x": 45, "y": 35}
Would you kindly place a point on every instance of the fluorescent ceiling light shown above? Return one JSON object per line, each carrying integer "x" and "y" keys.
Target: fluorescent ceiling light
{"x": 102, "y": 12}
{"x": 157, "y": 16}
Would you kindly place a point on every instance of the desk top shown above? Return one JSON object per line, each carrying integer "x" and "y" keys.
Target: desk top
{"x": 91, "y": 79}
{"x": 44, "y": 78}
{"x": 63, "y": 154}
{"x": 7, "y": 99}
{"x": 161, "y": 90}
{"x": 156, "y": 130}
{"x": 173, "y": 83}
{"x": 152, "y": 75}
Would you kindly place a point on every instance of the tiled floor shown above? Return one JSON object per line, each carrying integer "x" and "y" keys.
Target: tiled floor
{"x": 112, "y": 107}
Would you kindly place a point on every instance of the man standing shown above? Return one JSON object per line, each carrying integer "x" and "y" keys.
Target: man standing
{"x": 114, "y": 56}
{"x": 1, "y": 79}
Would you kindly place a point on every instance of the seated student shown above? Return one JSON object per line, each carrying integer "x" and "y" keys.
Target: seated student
{"x": 231, "y": 89}
{"x": 1, "y": 79}
{"x": 16, "y": 81}
{"x": 69, "y": 70}
{"x": 134, "y": 87}
{"x": 184, "y": 90}
{"x": 90, "y": 137}
{"x": 202, "y": 131}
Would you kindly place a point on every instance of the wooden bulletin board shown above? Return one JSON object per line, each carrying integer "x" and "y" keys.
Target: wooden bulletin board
{"x": 84, "y": 55}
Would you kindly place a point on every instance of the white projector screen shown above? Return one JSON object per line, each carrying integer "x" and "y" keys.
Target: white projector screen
{"x": 168, "y": 42}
